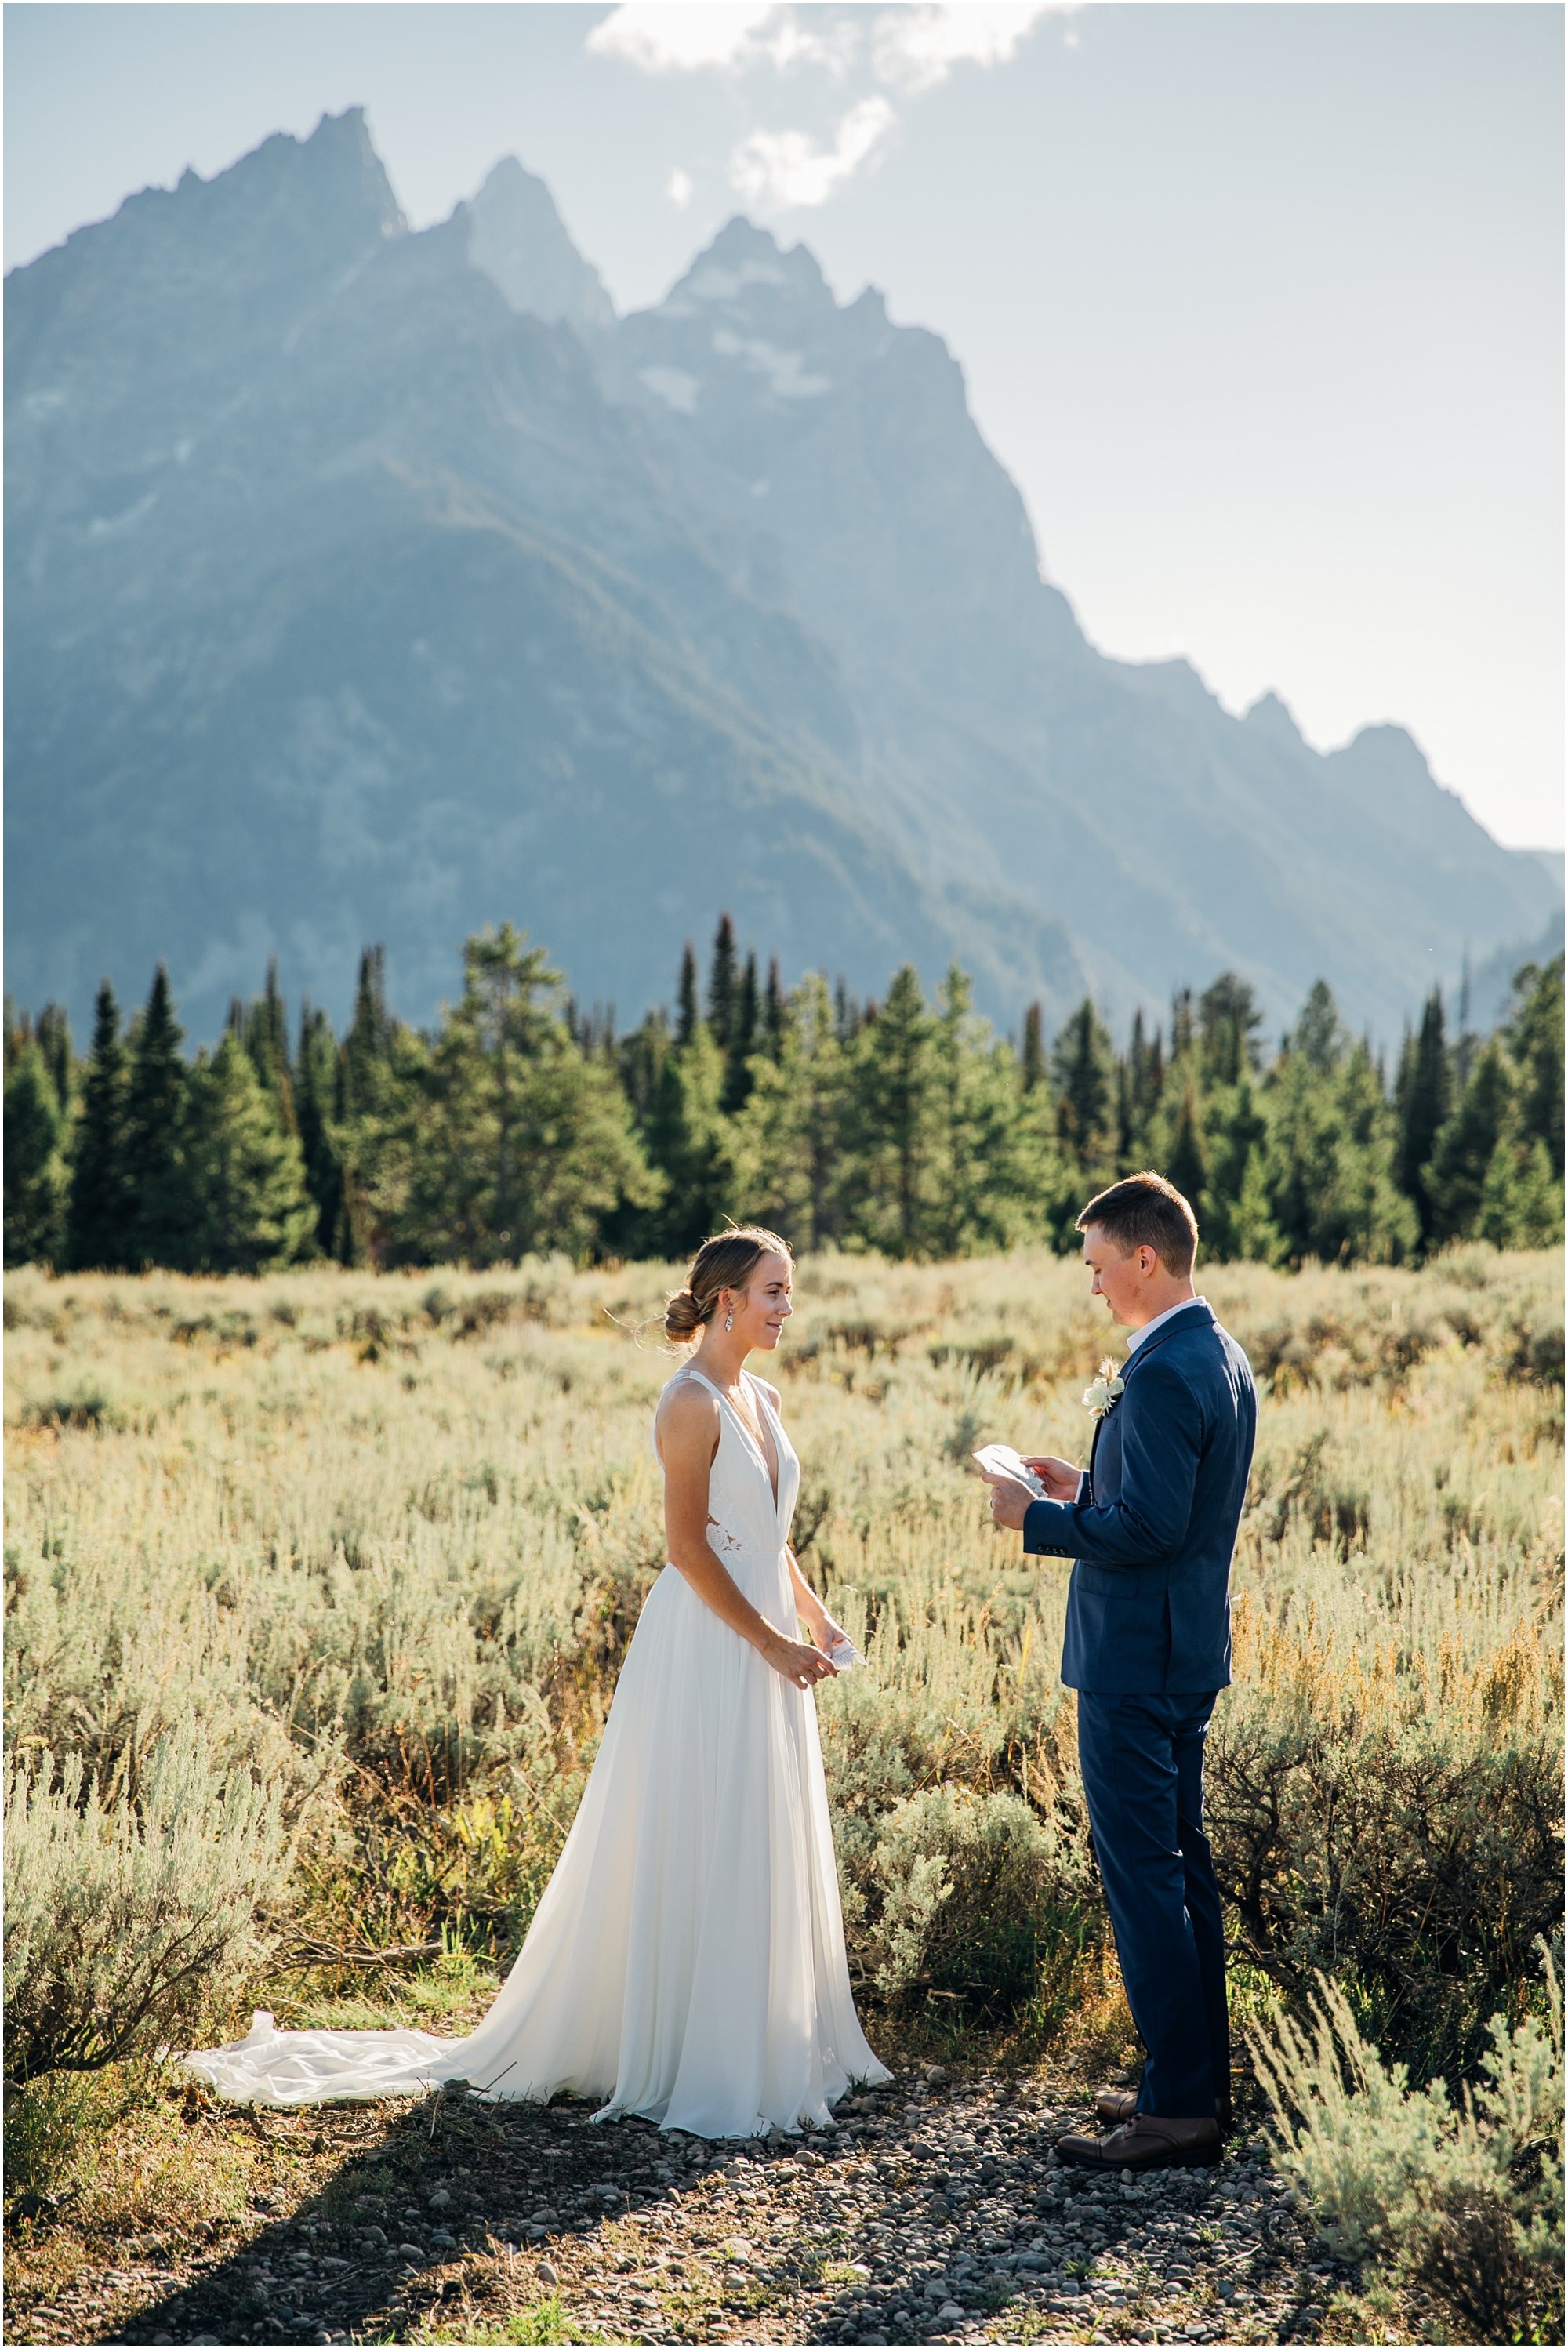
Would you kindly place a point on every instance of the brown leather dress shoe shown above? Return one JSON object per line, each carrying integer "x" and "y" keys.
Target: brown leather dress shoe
{"x": 1148, "y": 2141}
{"x": 1114, "y": 2106}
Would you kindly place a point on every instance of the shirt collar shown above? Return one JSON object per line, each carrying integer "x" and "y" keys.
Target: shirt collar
{"x": 1140, "y": 1337}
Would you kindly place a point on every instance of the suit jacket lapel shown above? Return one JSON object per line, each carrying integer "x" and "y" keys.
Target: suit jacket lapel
{"x": 1138, "y": 1353}
{"x": 1094, "y": 1446}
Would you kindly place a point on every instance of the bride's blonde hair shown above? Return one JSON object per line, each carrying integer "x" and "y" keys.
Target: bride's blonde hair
{"x": 728, "y": 1260}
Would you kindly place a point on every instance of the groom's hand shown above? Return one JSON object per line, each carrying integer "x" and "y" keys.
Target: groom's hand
{"x": 1059, "y": 1477}
{"x": 1009, "y": 1499}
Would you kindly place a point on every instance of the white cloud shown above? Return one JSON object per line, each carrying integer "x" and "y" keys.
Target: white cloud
{"x": 679, "y": 38}
{"x": 913, "y": 46}
{"x": 724, "y": 37}
{"x": 786, "y": 169}
{"x": 917, "y": 47}
{"x": 910, "y": 48}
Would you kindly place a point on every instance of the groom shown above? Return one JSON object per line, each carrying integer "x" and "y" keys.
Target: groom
{"x": 1151, "y": 1526}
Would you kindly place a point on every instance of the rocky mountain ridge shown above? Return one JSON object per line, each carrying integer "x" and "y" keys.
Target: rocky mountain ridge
{"x": 372, "y": 584}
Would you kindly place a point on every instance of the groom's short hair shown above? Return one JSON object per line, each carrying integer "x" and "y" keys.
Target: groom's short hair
{"x": 1146, "y": 1211}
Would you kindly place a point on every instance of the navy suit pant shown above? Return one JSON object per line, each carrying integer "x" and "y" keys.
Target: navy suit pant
{"x": 1142, "y": 1760}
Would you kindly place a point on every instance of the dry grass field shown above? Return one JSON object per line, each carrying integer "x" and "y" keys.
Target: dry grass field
{"x": 316, "y": 1586}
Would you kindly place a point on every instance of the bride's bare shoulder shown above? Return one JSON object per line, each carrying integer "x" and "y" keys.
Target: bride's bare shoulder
{"x": 688, "y": 1411}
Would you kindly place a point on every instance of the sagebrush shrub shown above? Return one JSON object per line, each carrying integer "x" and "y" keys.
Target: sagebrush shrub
{"x": 1462, "y": 2197}
{"x": 964, "y": 1895}
{"x": 128, "y": 1918}
{"x": 1390, "y": 1823}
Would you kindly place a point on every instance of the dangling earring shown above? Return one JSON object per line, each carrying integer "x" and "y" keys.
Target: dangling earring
{"x": 729, "y": 1319}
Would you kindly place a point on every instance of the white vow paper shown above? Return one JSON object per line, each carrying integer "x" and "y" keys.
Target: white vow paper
{"x": 1001, "y": 1460}
{"x": 843, "y": 1654}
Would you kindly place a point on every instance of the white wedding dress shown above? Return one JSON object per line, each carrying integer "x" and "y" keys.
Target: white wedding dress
{"x": 686, "y": 1960}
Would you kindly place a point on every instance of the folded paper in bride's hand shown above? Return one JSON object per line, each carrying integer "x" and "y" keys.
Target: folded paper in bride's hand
{"x": 843, "y": 1654}
{"x": 996, "y": 1460}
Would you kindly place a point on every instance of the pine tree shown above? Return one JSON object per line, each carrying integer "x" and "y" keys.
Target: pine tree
{"x": 894, "y": 1107}
{"x": 1153, "y": 1087}
{"x": 1033, "y": 1059}
{"x": 313, "y": 1089}
{"x": 367, "y": 1045}
{"x": 1254, "y": 1237}
{"x": 743, "y": 1039}
{"x": 1303, "y": 1154}
{"x": 1521, "y": 1198}
{"x": 993, "y": 1170}
{"x": 1138, "y": 1104}
{"x": 690, "y": 1146}
{"x": 1319, "y": 1036}
{"x": 54, "y": 1033}
{"x": 773, "y": 1015}
{"x": 1533, "y": 1034}
{"x": 1237, "y": 1225}
{"x": 640, "y": 1060}
{"x": 846, "y": 1019}
{"x": 1188, "y": 1165}
{"x": 687, "y": 1016}
{"x": 1423, "y": 1100}
{"x": 98, "y": 1209}
{"x": 792, "y": 1160}
{"x": 263, "y": 1030}
{"x": 1083, "y": 1073}
{"x": 156, "y": 1176}
{"x": 514, "y": 1141}
{"x": 35, "y": 1179}
{"x": 1182, "y": 1028}
{"x": 721, "y": 984}
{"x": 1457, "y": 1176}
{"x": 369, "y": 1098}
{"x": 1466, "y": 1041}
{"x": 251, "y": 1208}
{"x": 1363, "y": 1217}
{"x": 1228, "y": 1021}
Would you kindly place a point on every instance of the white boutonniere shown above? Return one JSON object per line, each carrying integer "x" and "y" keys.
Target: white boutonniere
{"x": 1105, "y": 1391}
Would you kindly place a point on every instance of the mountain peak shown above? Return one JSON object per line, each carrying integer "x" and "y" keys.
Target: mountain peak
{"x": 334, "y": 174}
{"x": 746, "y": 265}
{"x": 740, "y": 236}
{"x": 517, "y": 237}
{"x": 1271, "y": 717}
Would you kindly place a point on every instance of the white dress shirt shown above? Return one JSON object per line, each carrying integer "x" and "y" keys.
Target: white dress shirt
{"x": 1138, "y": 1337}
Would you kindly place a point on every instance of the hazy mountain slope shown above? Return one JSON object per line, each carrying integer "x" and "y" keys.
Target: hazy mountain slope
{"x": 363, "y": 584}
{"x": 518, "y": 240}
{"x": 344, "y": 606}
{"x": 845, "y": 478}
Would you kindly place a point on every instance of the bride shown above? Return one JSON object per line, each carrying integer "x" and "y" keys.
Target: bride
{"x": 686, "y": 1960}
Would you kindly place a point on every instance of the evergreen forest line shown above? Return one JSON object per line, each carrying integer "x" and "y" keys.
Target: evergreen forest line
{"x": 519, "y": 1124}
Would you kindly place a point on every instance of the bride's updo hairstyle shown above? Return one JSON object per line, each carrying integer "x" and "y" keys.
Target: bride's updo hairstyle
{"x": 726, "y": 1261}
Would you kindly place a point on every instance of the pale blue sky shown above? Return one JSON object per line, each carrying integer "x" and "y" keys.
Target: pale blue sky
{"x": 1261, "y": 305}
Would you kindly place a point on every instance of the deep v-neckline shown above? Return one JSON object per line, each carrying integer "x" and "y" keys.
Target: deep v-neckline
{"x": 774, "y": 1475}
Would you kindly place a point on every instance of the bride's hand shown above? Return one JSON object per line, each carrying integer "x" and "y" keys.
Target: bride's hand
{"x": 798, "y": 1660}
{"x": 822, "y": 1628}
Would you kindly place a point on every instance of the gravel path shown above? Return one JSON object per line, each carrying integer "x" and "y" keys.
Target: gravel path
{"x": 935, "y": 2211}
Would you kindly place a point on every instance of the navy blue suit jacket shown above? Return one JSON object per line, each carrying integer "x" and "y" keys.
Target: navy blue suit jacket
{"x": 1148, "y": 1609}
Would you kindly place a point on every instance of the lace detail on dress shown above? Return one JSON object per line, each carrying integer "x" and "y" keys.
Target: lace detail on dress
{"x": 720, "y": 1538}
